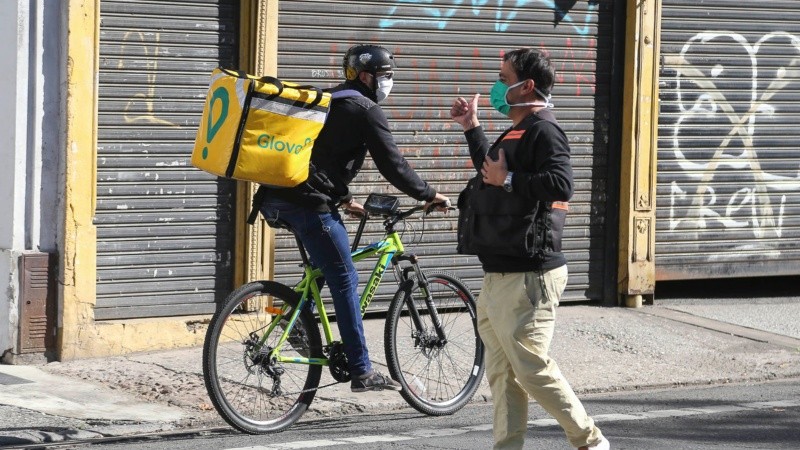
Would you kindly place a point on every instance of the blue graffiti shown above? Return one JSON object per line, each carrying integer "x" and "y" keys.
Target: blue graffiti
{"x": 439, "y": 17}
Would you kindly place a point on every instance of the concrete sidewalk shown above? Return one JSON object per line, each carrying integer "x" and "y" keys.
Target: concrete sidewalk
{"x": 672, "y": 343}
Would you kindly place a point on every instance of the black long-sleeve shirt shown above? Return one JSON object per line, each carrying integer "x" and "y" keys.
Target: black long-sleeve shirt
{"x": 354, "y": 126}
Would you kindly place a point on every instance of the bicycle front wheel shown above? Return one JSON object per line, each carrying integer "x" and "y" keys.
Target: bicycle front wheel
{"x": 249, "y": 387}
{"x": 439, "y": 374}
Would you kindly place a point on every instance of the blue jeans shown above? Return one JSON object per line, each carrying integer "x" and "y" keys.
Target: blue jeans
{"x": 325, "y": 239}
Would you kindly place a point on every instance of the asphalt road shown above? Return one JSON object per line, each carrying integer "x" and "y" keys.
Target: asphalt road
{"x": 732, "y": 416}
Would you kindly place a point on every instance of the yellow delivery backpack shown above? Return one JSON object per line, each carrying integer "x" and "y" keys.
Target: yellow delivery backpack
{"x": 259, "y": 129}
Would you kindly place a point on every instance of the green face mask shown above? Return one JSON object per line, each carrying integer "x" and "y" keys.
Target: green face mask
{"x": 497, "y": 97}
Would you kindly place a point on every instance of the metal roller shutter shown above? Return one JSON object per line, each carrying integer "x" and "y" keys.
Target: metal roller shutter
{"x": 445, "y": 49}
{"x": 164, "y": 229}
{"x": 729, "y": 159}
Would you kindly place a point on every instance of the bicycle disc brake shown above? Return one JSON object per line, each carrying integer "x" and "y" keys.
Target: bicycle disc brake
{"x": 254, "y": 355}
{"x": 263, "y": 361}
{"x": 337, "y": 363}
{"x": 427, "y": 343}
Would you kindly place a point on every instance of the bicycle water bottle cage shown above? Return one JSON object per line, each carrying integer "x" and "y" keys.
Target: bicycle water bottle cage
{"x": 379, "y": 204}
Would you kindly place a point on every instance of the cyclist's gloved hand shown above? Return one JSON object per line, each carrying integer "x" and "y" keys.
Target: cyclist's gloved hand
{"x": 439, "y": 203}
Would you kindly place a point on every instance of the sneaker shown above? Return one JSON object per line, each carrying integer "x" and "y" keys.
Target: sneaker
{"x": 602, "y": 444}
{"x": 374, "y": 381}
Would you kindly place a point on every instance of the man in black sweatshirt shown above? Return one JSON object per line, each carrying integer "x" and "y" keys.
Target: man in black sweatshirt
{"x": 512, "y": 216}
{"x": 355, "y": 124}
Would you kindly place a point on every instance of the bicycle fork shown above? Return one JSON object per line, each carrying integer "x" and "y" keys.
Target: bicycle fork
{"x": 407, "y": 284}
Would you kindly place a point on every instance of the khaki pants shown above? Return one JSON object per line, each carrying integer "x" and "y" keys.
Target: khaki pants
{"x": 516, "y": 318}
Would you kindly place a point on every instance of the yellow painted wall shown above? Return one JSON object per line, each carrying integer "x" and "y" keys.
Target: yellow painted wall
{"x": 259, "y": 55}
{"x": 77, "y": 261}
{"x": 636, "y": 265}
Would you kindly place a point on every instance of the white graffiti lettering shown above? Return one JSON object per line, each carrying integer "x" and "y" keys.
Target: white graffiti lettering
{"x": 721, "y": 100}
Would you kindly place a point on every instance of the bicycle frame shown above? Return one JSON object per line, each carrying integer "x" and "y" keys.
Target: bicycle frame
{"x": 390, "y": 250}
{"x": 308, "y": 288}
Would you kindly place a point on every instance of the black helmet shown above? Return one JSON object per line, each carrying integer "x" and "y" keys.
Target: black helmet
{"x": 366, "y": 58}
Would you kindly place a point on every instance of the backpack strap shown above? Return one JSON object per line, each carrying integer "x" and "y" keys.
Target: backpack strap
{"x": 258, "y": 199}
{"x": 346, "y": 93}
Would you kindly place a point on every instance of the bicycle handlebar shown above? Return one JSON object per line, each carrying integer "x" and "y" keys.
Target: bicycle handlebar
{"x": 400, "y": 215}
{"x": 395, "y": 217}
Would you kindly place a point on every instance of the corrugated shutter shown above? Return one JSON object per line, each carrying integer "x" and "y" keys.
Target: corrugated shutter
{"x": 729, "y": 159}
{"x": 445, "y": 49}
{"x": 164, "y": 229}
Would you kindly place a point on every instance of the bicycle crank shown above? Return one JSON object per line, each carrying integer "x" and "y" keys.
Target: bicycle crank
{"x": 337, "y": 363}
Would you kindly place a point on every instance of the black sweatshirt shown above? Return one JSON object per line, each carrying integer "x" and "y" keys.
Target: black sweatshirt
{"x": 354, "y": 125}
{"x": 540, "y": 161}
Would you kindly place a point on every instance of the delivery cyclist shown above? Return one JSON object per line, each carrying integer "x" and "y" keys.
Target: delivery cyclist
{"x": 355, "y": 124}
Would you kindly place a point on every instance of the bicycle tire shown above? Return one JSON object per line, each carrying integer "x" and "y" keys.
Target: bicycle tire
{"x": 436, "y": 380}
{"x": 240, "y": 380}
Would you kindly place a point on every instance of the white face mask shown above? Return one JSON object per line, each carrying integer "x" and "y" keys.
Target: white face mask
{"x": 384, "y": 88}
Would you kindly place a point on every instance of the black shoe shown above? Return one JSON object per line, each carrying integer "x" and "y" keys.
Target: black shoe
{"x": 374, "y": 381}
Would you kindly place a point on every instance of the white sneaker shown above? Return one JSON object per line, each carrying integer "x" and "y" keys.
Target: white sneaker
{"x": 603, "y": 444}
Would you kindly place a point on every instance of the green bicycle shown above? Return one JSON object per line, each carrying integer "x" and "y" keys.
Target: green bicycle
{"x": 263, "y": 355}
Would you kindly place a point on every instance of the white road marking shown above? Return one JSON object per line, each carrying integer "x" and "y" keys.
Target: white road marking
{"x": 542, "y": 423}
{"x": 378, "y": 438}
{"x": 602, "y": 418}
{"x": 437, "y": 432}
{"x": 670, "y": 413}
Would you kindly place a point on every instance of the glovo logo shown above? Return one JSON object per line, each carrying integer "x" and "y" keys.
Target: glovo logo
{"x": 270, "y": 142}
{"x": 221, "y": 95}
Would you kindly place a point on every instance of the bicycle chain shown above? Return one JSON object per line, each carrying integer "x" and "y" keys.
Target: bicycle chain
{"x": 288, "y": 394}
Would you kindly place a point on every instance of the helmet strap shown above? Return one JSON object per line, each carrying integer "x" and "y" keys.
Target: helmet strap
{"x": 373, "y": 86}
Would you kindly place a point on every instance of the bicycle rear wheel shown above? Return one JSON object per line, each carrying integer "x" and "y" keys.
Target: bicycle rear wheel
{"x": 438, "y": 376}
{"x": 252, "y": 391}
